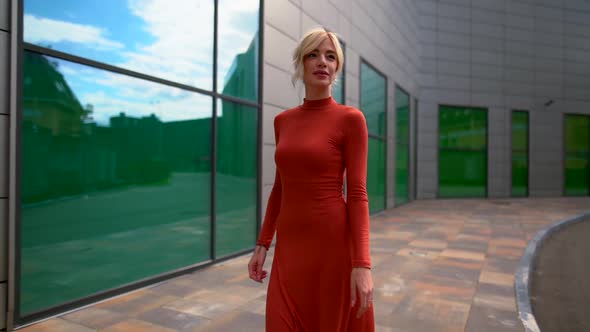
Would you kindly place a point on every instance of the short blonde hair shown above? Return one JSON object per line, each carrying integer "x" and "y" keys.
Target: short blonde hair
{"x": 310, "y": 41}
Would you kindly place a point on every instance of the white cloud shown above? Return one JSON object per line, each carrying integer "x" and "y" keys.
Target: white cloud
{"x": 44, "y": 30}
{"x": 183, "y": 46}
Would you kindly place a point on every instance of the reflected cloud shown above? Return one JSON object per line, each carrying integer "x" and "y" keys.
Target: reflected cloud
{"x": 40, "y": 30}
{"x": 173, "y": 42}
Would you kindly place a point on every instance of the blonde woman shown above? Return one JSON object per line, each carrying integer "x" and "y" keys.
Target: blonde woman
{"x": 321, "y": 273}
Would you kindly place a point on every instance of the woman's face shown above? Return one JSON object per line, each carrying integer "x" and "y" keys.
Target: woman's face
{"x": 319, "y": 66}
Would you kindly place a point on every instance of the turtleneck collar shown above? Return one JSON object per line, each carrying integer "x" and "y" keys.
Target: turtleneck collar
{"x": 317, "y": 103}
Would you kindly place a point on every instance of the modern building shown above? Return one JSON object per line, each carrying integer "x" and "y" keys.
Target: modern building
{"x": 136, "y": 137}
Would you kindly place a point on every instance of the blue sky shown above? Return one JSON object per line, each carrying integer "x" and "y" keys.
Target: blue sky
{"x": 112, "y": 15}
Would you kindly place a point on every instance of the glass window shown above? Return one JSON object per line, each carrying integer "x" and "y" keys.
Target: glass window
{"x": 173, "y": 42}
{"x": 402, "y": 164}
{"x": 236, "y": 177}
{"x": 376, "y": 175}
{"x": 520, "y": 153}
{"x": 115, "y": 182}
{"x": 373, "y": 99}
{"x": 339, "y": 86}
{"x": 577, "y": 155}
{"x": 374, "y": 105}
{"x": 237, "y": 56}
{"x": 462, "y": 163}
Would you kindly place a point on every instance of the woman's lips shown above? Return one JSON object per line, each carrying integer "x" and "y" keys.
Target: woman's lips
{"x": 321, "y": 74}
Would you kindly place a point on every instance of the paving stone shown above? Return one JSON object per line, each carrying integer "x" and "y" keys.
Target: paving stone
{"x": 237, "y": 320}
{"x": 56, "y": 325}
{"x": 486, "y": 319}
{"x": 463, "y": 254}
{"x": 496, "y": 278}
{"x": 95, "y": 318}
{"x": 137, "y": 304}
{"x": 134, "y": 325}
{"x": 174, "y": 319}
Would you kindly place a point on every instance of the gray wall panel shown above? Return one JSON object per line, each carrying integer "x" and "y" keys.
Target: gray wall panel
{"x": 4, "y": 134}
{"x": 4, "y": 70}
{"x": 5, "y": 15}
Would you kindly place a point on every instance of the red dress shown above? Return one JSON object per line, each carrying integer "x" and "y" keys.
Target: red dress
{"x": 320, "y": 235}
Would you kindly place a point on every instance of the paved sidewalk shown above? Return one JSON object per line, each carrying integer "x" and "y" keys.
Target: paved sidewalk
{"x": 438, "y": 265}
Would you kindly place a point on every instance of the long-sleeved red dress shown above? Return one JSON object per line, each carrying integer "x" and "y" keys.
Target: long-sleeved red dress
{"x": 320, "y": 235}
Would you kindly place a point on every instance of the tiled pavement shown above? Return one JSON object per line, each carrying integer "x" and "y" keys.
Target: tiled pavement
{"x": 440, "y": 265}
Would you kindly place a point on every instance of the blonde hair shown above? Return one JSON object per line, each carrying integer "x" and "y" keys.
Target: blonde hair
{"x": 310, "y": 41}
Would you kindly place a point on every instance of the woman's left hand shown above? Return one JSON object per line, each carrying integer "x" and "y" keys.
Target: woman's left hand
{"x": 362, "y": 280}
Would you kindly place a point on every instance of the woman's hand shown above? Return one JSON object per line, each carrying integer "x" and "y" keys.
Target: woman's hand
{"x": 256, "y": 263}
{"x": 362, "y": 280}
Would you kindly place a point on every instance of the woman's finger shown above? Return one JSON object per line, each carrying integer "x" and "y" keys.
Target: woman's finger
{"x": 363, "y": 304}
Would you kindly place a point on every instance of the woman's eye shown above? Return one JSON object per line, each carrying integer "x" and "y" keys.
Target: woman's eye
{"x": 332, "y": 57}
{"x": 311, "y": 55}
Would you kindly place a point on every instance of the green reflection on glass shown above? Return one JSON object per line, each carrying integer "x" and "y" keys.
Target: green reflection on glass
{"x": 236, "y": 178}
{"x": 237, "y": 73}
{"x": 338, "y": 88}
{"x": 115, "y": 183}
{"x": 173, "y": 42}
{"x": 376, "y": 175}
{"x": 577, "y": 155}
{"x": 462, "y": 163}
{"x": 373, "y": 99}
{"x": 520, "y": 153}
{"x": 402, "y": 153}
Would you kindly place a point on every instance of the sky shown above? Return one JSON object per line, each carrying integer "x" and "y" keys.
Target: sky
{"x": 172, "y": 40}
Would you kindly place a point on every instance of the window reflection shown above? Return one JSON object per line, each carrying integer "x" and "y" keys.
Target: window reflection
{"x": 373, "y": 99}
{"x": 153, "y": 37}
{"x": 115, "y": 180}
{"x": 462, "y": 152}
{"x": 577, "y": 155}
{"x": 238, "y": 48}
{"x": 236, "y": 177}
{"x": 520, "y": 153}
{"x": 402, "y": 101}
{"x": 373, "y": 105}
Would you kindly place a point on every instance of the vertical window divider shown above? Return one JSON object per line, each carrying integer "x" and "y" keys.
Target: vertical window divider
{"x": 214, "y": 135}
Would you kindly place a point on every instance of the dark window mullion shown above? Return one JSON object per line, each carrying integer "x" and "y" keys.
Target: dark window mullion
{"x": 214, "y": 136}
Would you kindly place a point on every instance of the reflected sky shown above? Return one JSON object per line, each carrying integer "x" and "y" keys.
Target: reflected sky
{"x": 173, "y": 41}
{"x": 238, "y": 26}
{"x": 111, "y": 94}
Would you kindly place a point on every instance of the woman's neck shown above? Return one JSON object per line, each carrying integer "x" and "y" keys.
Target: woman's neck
{"x": 314, "y": 93}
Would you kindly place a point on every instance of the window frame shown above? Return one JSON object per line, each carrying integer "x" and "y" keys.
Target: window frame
{"x": 374, "y": 136}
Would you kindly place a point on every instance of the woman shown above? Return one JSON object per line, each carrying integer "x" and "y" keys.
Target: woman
{"x": 320, "y": 278}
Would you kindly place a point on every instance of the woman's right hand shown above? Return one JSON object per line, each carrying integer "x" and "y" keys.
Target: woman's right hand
{"x": 256, "y": 263}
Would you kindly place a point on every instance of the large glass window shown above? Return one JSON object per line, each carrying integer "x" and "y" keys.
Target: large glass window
{"x": 520, "y": 153}
{"x": 402, "y": 146}
{"x": 374, "y": 105}
{"x": 119, "y": 141}
{"x": 462, "y": 158}
{"x": 235, "y": 177}
{"x": 114, "y": 184}
{"x": 577, "y": 155}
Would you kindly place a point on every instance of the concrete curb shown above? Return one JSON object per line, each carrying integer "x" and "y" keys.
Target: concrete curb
{"x": 526, "y": 266}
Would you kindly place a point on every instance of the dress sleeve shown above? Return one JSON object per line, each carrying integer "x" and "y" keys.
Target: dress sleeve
{"x": 274, "y": 204}
{"x": 355, "y": 158}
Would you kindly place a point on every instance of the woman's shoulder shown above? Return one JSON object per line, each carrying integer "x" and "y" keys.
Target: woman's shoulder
{"x": 350, "y": 113}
